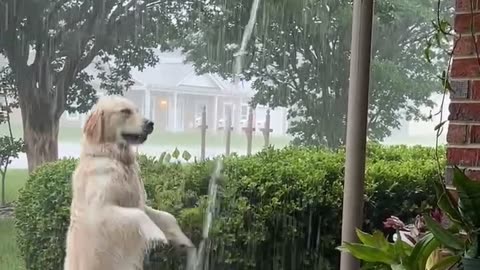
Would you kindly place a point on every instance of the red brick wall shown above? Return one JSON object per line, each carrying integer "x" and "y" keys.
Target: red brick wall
{"x": 463, "y": 135}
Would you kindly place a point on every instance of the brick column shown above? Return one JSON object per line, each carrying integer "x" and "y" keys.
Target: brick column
{"x": 463, "y": 135}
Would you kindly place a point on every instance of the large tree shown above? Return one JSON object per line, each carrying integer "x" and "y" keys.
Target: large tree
{"x": 49, "y": 43}
{"x": 299, "y": 58}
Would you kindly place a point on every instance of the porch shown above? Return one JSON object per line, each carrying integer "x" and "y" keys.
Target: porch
{"x": 179, "y": 112}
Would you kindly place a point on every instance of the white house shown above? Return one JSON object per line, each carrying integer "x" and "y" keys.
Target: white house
{"x": 173, "y": 96}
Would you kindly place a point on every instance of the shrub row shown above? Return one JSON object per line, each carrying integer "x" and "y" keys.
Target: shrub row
{"x": 279, "y": 209}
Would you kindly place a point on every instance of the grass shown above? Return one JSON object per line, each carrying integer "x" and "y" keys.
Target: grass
{"x": 13, "y": 182}
{"x": 192, "y": 139}
{"x": 9, "y": 254}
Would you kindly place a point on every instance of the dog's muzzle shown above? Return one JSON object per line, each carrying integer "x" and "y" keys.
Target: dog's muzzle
{"x": 147, "y": 126}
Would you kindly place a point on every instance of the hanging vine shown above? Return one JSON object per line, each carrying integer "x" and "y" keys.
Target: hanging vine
{"x": 441, "y": 42}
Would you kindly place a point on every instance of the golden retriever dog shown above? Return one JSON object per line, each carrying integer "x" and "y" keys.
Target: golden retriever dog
{"x": 111, "y": 227}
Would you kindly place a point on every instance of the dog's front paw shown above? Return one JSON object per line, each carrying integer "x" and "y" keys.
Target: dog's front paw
{"x": 152, "y": 234}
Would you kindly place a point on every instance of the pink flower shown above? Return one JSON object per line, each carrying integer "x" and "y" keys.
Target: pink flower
{"x": 437, "y": 215}
{"x": 394, "y": 223}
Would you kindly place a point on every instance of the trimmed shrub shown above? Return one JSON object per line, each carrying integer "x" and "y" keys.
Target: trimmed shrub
{"x": 282, "y": 208}
{"x": 42, "y": 214}
{"x": 279, "y": 209}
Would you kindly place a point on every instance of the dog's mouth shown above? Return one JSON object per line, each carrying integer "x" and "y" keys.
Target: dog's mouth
{"x": 133, "y": 138}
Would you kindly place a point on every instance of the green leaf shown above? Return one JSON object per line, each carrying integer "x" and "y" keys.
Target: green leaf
{"x": 444, "y": 27}
{"x": 377, "y": 240}
{"x": 368, "y": 253}
{"x": 176, "y": 153}
{"x": 422, "y": 250}
{"x": 444, "y": 80}
{"x": 186, "y": 155}
{"x": 161, "y": 158}
{"x": 469, "y": 194}
{"x": 438, "y": 126}
{"x": 444, "y": 236}
{"x": 167, "y": 158}
{"x": 398, "y": 267}
{"x": 446, "y": 263}
{"x": 446, "y": 203}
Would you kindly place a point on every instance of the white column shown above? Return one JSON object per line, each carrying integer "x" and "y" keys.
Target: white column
{"x": 82, "y": 120}
{"x": 215, "y": 115}
{"x": 147, "y": 105}
{"x": 237, "y": 111}
{"x": 175, "y": 107}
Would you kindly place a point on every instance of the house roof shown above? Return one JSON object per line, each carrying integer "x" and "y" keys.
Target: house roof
{"x": 173, "y": 74}
{"x": 167, "y": 75}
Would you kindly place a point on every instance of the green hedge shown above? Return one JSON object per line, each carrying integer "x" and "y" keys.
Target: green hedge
{"x": 42, "y": 214}
{"x": 279, "y": 209}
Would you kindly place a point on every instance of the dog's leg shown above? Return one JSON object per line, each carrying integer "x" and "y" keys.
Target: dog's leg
{"x": 136, "y": 219}
{"x": 169, "y": 225}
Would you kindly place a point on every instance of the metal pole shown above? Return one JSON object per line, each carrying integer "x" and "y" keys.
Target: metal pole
{"x": 204, "y": 133}
{"x": 249, "y": 131}
{"x": 266, "y": 129}
{"x": 356, "y": 126}
{"x": 228, "y": 132}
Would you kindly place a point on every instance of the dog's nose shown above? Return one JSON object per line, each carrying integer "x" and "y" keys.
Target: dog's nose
{"x": 148, "y": 126}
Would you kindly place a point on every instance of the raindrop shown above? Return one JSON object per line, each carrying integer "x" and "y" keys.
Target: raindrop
{"x": 247, "y": 34}
{"x": 199, "y": 259}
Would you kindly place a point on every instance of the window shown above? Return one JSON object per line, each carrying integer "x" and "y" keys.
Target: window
{"x": 244, "y": 112}
{"x": 198, "y": 114}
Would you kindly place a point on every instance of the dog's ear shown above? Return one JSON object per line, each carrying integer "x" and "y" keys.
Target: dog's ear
{"x": 94, "y": 127}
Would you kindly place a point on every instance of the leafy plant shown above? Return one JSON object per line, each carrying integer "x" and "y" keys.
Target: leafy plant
{"x": 277, "y": 209}
{"x": 414, "y": 249}
{"x": 42, "y": 215}
{"x": 9, "y": 146}
{"x": 463, "y": 235}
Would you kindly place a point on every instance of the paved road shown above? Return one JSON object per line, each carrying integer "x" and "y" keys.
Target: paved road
{"x": 73, "y": 150}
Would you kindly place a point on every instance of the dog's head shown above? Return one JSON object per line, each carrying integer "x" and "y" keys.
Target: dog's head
{"x": 115, "y": 119}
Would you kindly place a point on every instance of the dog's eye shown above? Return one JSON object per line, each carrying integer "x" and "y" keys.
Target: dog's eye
{"x": 126, "y": 111}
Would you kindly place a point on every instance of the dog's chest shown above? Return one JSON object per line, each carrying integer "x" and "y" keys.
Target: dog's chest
{"x": 133, "y": 191}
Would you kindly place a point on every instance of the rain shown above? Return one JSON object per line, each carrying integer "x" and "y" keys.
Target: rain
{"x": 229, "y": 84}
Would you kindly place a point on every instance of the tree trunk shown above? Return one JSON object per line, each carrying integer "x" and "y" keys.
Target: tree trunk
{"x": 42, "y": 98}
{"x": 40, "y": 118}
{"x": 41, "y": 143}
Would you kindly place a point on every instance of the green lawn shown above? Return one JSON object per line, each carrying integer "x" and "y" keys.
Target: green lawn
{"x": 13, "y": 182}
{"x": 69, "y": 134}
{"x": 9, "y": 253}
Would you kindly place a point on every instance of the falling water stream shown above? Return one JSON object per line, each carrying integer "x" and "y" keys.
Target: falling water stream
{"x": 247, "y": 34}
{"x": 197, "y": 258}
